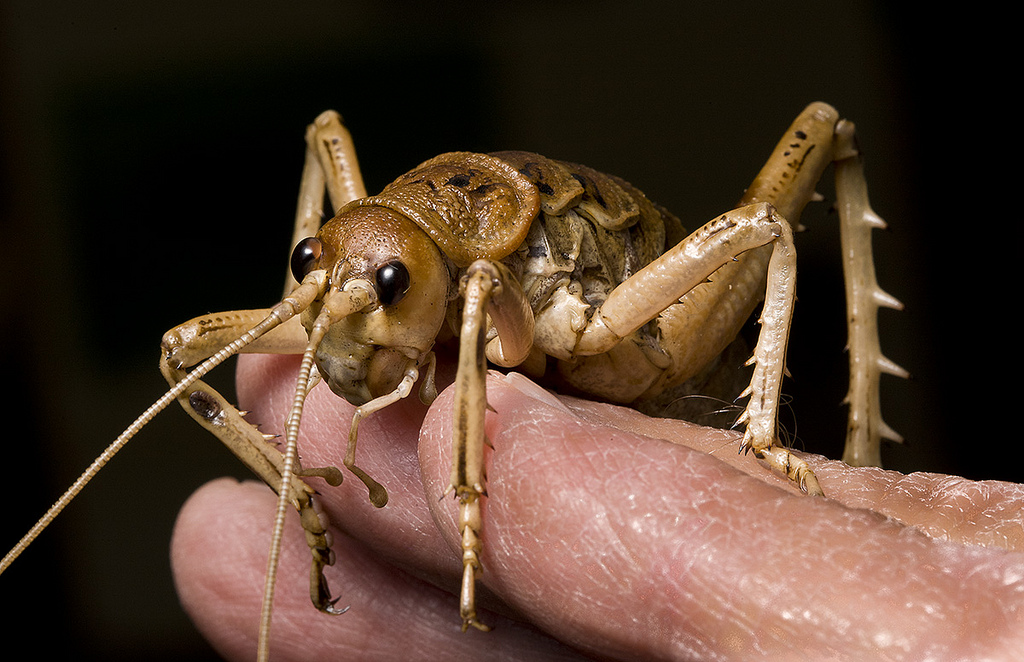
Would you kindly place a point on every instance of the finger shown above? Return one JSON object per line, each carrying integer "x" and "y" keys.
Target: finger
{"x": 989, "y": 513}
{"x": 485, "y": 534}
{"x": 621, "y": 543}
{"x": 402, "y": 531}
{"x": 219, "y": 551}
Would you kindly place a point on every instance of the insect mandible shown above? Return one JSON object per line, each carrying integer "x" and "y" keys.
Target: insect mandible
{"x": 565, "y": 273}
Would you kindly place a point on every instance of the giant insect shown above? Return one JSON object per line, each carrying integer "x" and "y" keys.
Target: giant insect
{"x": 565, "y": 273}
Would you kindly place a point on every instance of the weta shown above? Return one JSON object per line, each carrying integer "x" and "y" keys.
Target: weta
{"x": 572, "y": 276}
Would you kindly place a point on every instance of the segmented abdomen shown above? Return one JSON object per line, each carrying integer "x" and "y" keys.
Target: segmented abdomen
{"x": 593, "y": 231}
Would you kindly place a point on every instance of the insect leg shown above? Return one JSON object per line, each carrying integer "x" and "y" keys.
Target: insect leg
{"x": 661, "y": 284}
{"x": 865, "y": 427}
{"x": 490, "y": 292}
{"x": 330, "y": 166}
{"x": 817, "y": 137}
{"x": 203, "y": 336}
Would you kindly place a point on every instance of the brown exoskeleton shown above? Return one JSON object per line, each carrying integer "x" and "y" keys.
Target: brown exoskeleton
{"x": 572, "y": 276}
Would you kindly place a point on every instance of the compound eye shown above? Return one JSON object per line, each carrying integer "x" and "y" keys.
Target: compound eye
{"x": 306, "y": 257}
{"x": 392, "y": 282}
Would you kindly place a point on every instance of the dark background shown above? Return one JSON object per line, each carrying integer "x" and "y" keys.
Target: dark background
{"x": 151, "y": 157}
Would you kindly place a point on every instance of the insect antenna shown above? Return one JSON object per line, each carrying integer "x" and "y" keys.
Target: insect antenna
{"x": 357, "y": 295}
{"x": 289, "y": 306}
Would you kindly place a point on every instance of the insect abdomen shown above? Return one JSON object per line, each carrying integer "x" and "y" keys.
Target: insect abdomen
{"x": 593, "y": 229}
{"x": 593, "y": 232}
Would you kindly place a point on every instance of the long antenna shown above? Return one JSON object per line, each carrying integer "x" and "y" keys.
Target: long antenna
{"x": 358, "y": 294}
{"x": 298, "y": 300}
{"x": 104, "y": 457}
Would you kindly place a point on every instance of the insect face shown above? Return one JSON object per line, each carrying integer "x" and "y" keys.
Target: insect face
{"x": 366, "y": 354}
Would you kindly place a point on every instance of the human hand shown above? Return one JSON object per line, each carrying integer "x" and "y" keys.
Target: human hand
{"x": 602, "y": 540}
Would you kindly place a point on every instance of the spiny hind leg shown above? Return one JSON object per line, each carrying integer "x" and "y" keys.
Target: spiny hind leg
{"x": 865, "y": 427}
{"x": 817, "y": 138}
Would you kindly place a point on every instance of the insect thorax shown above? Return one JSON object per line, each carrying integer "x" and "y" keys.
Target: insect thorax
{"x": 593, "y": 232}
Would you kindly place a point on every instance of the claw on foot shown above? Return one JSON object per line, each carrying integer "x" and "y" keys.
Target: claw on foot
{"x": 468, "y": 599}
{"x": 469, "y": 526}
{"x": 798, "y": 471}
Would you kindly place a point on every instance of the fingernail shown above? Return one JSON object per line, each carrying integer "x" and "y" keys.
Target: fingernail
{"x": 531, "y": 389}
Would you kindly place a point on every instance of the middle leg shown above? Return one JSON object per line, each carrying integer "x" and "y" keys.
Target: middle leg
{"x": 655, "y": 292}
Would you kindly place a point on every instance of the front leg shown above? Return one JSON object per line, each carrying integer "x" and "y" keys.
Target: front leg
{"x": 194, "y": 341}
{"x": 489, "y": 291}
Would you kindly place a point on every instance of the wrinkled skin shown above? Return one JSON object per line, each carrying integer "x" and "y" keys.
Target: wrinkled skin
{"x": 614, "y": 544}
